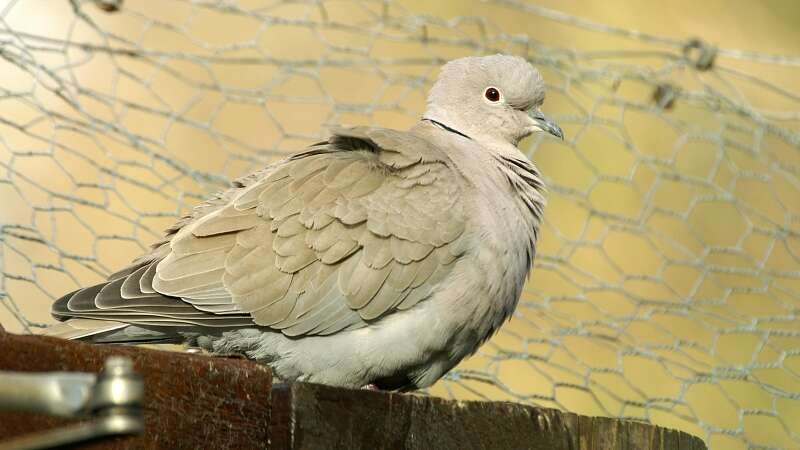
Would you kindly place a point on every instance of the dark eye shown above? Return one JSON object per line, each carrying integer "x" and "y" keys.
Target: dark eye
{"x": 492, "y": 94}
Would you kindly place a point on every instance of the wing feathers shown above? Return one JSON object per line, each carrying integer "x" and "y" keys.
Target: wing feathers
{"x": 324, "y": 241}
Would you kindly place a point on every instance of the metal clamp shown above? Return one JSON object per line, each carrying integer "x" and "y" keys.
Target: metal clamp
{"x": 112, "y": 400}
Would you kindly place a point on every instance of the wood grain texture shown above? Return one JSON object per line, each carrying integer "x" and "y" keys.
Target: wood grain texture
{"x": 325, "y": 417}
{"x": 196, "y": 401}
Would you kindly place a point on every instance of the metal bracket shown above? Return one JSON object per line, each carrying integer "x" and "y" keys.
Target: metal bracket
{"x": 111, "y": 400}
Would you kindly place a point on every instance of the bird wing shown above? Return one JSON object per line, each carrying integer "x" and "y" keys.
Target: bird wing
{"x": 329, "y": 239}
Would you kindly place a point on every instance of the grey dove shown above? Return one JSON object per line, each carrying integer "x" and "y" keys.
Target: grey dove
{"x": 375, "y": 258}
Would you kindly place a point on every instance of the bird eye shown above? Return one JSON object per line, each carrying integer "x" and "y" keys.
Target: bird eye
{"x": 492, "y": 94}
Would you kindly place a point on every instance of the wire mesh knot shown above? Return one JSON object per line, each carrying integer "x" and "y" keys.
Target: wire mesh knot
{"x": 665, "y": 95}
{"x": 109, "y": 5}
{"x": 699, "y": 54}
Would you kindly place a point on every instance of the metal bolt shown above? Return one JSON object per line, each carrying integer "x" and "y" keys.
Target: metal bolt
{"x": 118, "y": 365}
{"x": 117, "y": 386}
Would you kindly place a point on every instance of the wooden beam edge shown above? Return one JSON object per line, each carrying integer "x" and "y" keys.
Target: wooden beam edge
{"x": 198, "y": 401}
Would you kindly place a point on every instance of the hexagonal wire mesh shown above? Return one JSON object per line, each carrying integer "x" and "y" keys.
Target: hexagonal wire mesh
{"x": 666, "y": 284}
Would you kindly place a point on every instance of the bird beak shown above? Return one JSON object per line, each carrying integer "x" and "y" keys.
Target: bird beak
{"x": 545, "y": 123}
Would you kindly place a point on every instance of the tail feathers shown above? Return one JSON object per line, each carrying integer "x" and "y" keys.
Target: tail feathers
{"x": 107, "y": 332}
{"x": 81, "y": 328}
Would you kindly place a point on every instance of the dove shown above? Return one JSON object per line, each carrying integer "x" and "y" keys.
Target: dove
{"x": 376, "y": 258}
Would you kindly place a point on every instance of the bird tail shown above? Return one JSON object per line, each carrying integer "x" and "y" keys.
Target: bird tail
{"x": 81, "y": 328}
{"x": 107, "y": 332}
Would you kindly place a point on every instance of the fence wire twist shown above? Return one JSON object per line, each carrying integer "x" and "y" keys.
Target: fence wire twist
{"x": 667, "y": 282}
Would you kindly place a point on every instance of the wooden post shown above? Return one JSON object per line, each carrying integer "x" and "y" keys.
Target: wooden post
{"x": 196, "y": 401}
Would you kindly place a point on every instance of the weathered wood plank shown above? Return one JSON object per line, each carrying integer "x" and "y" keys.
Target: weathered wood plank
{"x": 325, "y": 417}
{"x": 196, "y": 401}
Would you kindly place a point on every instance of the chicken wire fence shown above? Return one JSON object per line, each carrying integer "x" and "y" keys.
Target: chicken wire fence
{"x": 666, "y": 282}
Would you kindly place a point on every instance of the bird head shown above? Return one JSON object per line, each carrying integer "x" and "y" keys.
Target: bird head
{"x": 492, "y": 99}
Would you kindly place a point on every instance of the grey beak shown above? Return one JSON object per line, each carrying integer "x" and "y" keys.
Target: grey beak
{"x": 545, "y": 123}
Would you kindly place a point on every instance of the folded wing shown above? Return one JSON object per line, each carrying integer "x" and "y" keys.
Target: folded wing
{"x": 354, "y": 228}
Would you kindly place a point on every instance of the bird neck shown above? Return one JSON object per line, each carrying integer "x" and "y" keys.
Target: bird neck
{"x": 442, "y": 119}
{"x": 445, "y": 127}
{"x": 462, "y": 125}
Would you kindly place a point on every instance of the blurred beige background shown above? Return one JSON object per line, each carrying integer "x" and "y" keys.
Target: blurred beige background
{"x": 667, "y": 285}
